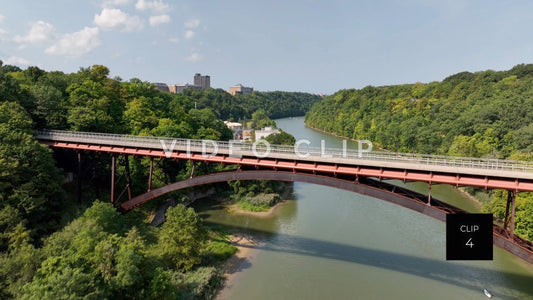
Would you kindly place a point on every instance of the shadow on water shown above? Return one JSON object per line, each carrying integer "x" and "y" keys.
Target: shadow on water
{"x": 214, "y": 213}
{"x": 448, "y": 272}
{"x": 238, "y": 264}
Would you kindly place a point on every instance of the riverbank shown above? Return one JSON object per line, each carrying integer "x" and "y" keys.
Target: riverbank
{"x": 237, "y": 263}
{"x": 338, "y": 136}
{"x": 330, "y": 133}
{"x": 475, "y": 200}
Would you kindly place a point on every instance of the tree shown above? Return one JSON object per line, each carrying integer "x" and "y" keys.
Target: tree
{"x": 10, "y": 89}
{"x": 59, "y": 281}
{"x": 95, "y": 102}
{"x": 29, "y": 179}
{"x": 33, "y": 73}
{"x": 181, "y": 237}
{"x": 18, "y": 258}
{"x": 260, "y": 120}
{"x": 139, "y": 117}
{"x": 50, "y": 109}
{"x": 281, "y": 138}
{"x": 94, "y": 256}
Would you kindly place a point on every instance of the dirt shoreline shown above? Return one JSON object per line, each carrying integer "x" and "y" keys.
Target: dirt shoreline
{"x": 246, "y": 243}
{"x": 246, "y": 247}
{"x": 241, "y": 260}
{"x": 471, "y": 197}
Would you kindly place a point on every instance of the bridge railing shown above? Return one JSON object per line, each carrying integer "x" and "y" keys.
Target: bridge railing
{"x": 247, "y": 149}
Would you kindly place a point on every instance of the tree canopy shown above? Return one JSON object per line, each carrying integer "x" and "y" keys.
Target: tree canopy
{"x": 482, "y": 114}
{"x": 50, "y": 246}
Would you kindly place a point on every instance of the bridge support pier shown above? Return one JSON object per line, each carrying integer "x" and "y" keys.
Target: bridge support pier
{"x": 513, "y": 209}
{"x": 127, "y": 187}
{"x": 128, "y": 178}
{"x": 429, "y": 194}
{"x": 79, "y": 178}
{"x": 150, "y": 173}
{"x": 113, "y": 163}
{"x": 509, "y": 220}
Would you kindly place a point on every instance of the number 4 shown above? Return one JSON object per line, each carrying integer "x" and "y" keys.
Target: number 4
{"x": 469, "y": 243}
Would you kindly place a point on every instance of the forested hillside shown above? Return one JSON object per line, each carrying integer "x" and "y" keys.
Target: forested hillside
{"x": 482, "y": 114}
{"x": 275, "y": 104}
{"x": 54, "y": 247}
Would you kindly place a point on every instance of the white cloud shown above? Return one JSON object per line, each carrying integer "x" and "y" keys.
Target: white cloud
{"x": 189, "y": 34}
{"x": 2, "y": 18}
{"x": 192, "y": 23}
{"x": 115, "y": 19}
{"x": 77, "y": 43}
{"x": 155, "y": 5}
{"x": 158, "y": 20}
{"x": 40, "y": 31}
{"x": 194, "y": 57}
{"x": 112, "y": 3}
{"x": 15, "y": 60}
{"x": 174, "y": 40}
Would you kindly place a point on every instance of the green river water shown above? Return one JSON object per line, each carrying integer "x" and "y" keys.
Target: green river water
{"x": 334, "y": 244}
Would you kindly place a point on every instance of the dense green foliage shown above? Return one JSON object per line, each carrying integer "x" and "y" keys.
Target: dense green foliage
{"x": 275, "y": 104}
{"x": 50, "y": 246}
{"x": 259, "y": 195}
{"x": 281, "y": 138}
{"x": 103, "y": 254}
{"x": 29, "y": 180}
{"x": 87, "y": 100}
{"x": 260, "y": 119}
{"x": 260, "y": 202}
{"x": 483, "y": 114}
{"x": 279, "y": 104}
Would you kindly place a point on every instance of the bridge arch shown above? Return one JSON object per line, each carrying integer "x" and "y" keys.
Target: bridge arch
{"x": 437, "y": 210}
{"x": 343, "y": 184}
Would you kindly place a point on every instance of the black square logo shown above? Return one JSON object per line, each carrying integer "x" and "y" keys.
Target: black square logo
{"x": 469, "y": 237}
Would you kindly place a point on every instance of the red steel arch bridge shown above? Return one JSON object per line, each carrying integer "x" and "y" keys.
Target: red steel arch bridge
{"x": 354, "y": 170}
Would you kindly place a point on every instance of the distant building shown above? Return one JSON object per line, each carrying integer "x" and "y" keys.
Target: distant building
{"x": 200, "y": 83}
{"x": 178, "y": 88}
{"x": 263, "y": 133}
{"x": 161, "y": 86}
{"x": 247, "y": 135}
{"x": 240, "y": 89}
{"x": 236, "y": 128}
{"x": 203, "y": 82}
{"x": 172, "y": 88}
{"x": 233, "y": 125}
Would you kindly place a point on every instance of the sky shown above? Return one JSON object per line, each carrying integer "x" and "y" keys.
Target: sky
{"x": 314, "y": 46}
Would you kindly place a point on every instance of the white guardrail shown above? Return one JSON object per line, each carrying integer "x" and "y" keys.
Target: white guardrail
{"x": 246, "y": 149}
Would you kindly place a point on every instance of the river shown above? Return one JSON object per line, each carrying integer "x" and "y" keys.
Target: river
{"x": 334, "y": 244}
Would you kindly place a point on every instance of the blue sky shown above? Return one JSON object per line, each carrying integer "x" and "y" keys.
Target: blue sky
{"x": 311, "y": 46}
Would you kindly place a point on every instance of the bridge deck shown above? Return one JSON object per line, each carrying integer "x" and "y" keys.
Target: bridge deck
{"x": 487, "y": 173}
